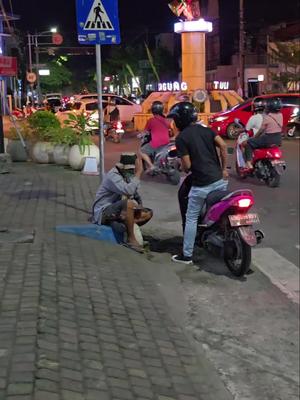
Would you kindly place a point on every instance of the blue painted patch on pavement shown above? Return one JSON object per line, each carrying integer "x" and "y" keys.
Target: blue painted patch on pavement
{"x": 92, "y": 231}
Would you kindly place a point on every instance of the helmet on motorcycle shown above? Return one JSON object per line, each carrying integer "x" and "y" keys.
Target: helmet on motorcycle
{"x": 273, "y": 105}
{"x": 184, "y": 114}
{"x": 157, "y": 108}
{"x": 259, "y": 106}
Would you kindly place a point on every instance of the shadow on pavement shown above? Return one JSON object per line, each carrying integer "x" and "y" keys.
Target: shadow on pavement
{"x": 203, "y": 261}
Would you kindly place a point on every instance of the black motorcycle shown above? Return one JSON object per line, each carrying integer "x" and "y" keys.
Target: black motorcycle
{"x": 166, "y": 161}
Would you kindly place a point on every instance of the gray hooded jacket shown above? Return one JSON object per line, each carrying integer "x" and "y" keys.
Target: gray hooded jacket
{"x": 111, "y": 190}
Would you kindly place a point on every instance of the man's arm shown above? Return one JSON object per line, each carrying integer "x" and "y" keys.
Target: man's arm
{"x": 183, "y": 153}
{"x": 123, "y": 188}
{"x": 186, "y": 163}
{"x": 130, "y": 188}
{"x": 223, "y": 154}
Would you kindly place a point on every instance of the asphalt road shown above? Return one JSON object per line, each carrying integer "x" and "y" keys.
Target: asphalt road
{"x": 278, "y": 208}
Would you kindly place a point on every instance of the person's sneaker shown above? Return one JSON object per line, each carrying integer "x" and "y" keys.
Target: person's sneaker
{"x": 180, "y": 258}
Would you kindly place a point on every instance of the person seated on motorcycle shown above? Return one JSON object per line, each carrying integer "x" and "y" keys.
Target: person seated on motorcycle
{"x": 117, "y": 198}
{"x": 270, "y": 132}
{"x": 196, "y": 146}
{"x": 160, "y": 130}
{"x": 255, "y": 122}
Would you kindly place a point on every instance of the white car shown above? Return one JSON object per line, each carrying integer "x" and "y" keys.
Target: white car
{"x": 87, "y": 107}
{"x": 126, "y": 107}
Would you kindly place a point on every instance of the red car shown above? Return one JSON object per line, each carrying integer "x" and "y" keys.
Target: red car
{"x": 223, "y": 122}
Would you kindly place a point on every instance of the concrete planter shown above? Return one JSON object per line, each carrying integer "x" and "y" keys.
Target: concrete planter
{"x": 16, "y": 150}
{"x": 76, "y": 159}
{"x": 42, "y": 152}
{"x": 61, "y": 154}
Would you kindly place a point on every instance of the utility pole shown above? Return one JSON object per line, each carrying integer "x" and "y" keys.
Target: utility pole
{"x": 242, "y": 48}
{"x": 37, "y": 61}
{"x": 29, "y": 52}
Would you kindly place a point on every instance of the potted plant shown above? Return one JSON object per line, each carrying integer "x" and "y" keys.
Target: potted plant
{"x": 42, "y": 122}
{"x": 84, "y": 147}
{"x": 63, "y": 138}
{"x": 15, "y": 147}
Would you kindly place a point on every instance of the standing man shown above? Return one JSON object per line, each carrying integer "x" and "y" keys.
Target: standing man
{"x": 196, "y": 146}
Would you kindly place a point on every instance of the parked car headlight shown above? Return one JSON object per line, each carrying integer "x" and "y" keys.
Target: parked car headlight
{"x": 220, "y": 119}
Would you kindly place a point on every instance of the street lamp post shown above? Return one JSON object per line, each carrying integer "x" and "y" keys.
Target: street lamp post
{"x": 37, "y": 61}
{"x": 33, "y": 40}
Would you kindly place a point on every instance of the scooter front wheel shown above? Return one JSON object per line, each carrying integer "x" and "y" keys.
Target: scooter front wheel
{"x": 237, "y": 253}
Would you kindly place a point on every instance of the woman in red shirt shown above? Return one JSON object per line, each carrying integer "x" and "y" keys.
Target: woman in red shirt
{"x": 159, "y": 128}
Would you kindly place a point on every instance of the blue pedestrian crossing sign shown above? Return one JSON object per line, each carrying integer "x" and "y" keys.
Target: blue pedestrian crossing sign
{"x": 98, "y": 22}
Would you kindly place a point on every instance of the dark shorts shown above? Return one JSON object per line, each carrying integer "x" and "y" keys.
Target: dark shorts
{"x": 151, "y": 151}
{"x": 265, "y": 140}
{"x": 113, "y": 212}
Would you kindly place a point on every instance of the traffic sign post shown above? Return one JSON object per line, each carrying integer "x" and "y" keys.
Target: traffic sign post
{"x": 98, "y": 24}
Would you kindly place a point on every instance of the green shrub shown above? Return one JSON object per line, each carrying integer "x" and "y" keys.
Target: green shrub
{"x": 82, "y": 125}
{"x": 62, "y": 135}
{"x": 42, "y": 122}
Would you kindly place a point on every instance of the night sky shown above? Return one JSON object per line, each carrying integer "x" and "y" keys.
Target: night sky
{"x": 139, "y": 14}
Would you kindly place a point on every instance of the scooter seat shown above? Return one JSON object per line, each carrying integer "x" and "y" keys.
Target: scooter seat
{"x": 216, "y": 196}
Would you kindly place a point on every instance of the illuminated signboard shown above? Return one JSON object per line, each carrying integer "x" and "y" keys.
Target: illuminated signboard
{"x": 172, "y": 86}
{"x": 222, "y": 85}
{"x": 8, "y": 66}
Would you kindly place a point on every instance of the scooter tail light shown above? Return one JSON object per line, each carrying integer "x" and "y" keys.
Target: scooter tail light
{"x": 119, "y": 125}
{"x": 245, "y": 203}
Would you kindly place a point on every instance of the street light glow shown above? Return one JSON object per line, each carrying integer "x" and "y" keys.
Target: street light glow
{"x": 193, "y": 26}
{"x": 44, "y": 72}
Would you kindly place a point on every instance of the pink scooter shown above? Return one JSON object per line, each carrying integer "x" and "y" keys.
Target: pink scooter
{"x": 227, "y": 227}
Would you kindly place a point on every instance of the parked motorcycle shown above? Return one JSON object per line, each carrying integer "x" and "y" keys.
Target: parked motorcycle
{"x": 166, "y": 161}
{"x": 268, "y": 165}
{"x": 226, "y": 228}
{"x": 293, "y": 126}
{"x": 114, "y": 131}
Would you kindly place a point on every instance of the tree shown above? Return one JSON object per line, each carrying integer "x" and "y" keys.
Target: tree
{"x": 59, "y": 77}
{"x": 287, "y": 55}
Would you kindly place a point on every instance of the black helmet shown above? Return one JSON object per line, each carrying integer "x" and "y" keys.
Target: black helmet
{"x": 157, "y": 108}
{"x": 184, "y": 114}
{"x": 259, "y": 105}
{"x": 273, "y": 105}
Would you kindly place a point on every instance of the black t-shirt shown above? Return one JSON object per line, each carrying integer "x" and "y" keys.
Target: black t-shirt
{"x": 199, "y": 143}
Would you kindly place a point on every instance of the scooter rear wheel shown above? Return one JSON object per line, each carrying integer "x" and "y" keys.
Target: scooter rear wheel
{"x": 274, "y": 178}
{"x": 237, "y": 254}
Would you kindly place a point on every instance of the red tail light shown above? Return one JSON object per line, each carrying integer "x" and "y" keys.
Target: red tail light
{"x": 119, "y": 125}
{"x": 277, "y": 154}
{"x": 245, "y": 203}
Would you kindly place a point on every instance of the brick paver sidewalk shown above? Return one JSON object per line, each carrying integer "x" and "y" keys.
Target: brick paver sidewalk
{"x": 81, "y": 319}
